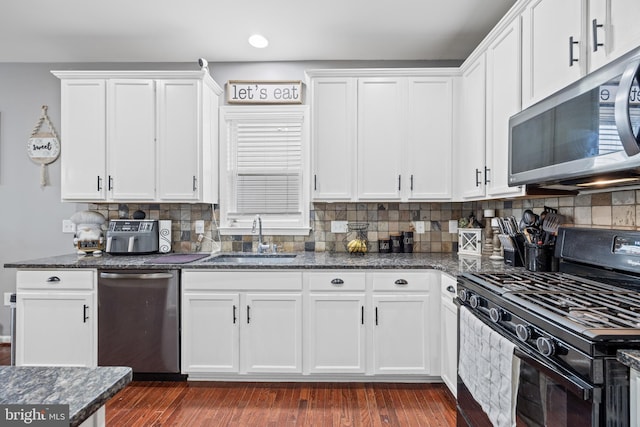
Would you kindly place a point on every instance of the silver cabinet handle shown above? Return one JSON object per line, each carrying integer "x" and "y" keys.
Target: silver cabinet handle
{"x": 401, "y": 282}
{"x": 451, "y": 289}
{"x": 571, "y": 58}
{"x": 195, "y": 183}
{"x": 337, "y": 281}
{"x": 594, "y": 32}
{"x": 53, "y": 279}
{"x": 136, "y": 276}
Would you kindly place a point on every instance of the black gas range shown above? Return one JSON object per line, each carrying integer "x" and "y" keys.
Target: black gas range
{"x": 567, "y": 327}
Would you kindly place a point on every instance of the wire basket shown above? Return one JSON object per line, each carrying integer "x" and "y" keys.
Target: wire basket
{"x": 356, "y": 241}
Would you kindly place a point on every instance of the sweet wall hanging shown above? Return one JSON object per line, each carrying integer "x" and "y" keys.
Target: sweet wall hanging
{"x": 43, "y": 147}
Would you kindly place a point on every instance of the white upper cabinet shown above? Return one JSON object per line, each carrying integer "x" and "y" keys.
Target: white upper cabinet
{"x": 503, "y": 101}
{"x": 83, "y": 125}
{"x": 382, "y": 134}
{"x": 333, "y": 135}
{"x": 139, "y": 136}
{"x": 554, "y": 47}
{"x": 187, "y": 135}
{"x": 131, "y": 139}
{"x": 429, "y": 138}
{"x": 470, "y": 147}
{"x": 613, "y": 29}
{"x": 563, "y": 41}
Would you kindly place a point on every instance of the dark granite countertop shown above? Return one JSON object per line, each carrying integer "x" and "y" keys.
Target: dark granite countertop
{"x": 453, "y": 264}
{"x": 631, "y": 358}
{"x": 85, "y": 390}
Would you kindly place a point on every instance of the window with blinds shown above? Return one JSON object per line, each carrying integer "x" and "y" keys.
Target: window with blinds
{"x": 268, "y": 167}
{"x": 265, "y": 155}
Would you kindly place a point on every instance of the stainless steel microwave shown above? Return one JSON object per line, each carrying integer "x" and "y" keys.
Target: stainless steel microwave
{"x": 584, "y": 136}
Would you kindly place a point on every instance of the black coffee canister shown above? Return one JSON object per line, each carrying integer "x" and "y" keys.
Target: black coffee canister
{"x": 396, "y": 243}
{"x": 407, "y": 241}
{"x": 384, "y": 246}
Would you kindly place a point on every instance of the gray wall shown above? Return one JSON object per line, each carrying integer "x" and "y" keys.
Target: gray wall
{"x": 31, "y": 216}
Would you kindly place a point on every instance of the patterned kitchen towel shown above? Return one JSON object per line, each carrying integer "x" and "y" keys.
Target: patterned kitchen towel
{"x": 489, "y": 369}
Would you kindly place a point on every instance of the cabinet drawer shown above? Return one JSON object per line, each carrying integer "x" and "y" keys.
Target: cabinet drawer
{"x": 448, "y": 285}
{"x": 336, "y": 281}
{"x": 401, "y": 281}
{"x": 55, "y": 279}
{"x": 242, "y": 280}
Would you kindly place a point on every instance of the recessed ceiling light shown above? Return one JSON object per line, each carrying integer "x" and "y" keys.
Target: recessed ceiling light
{"x": 258, "y": 41}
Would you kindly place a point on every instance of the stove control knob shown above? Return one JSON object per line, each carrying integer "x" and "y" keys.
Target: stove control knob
{"x": 523, "y": 332}
{"x": 546, "y": 346}
{"x": 463, "y": 295}
{"x": 474, "y": 301}
{"x": 495, "y": 314}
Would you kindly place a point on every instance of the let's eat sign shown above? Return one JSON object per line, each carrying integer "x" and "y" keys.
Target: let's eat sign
{"x": 264, "y": 92}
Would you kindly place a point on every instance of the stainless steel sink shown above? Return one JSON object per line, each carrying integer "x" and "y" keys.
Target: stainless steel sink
{"x": 252, "y": 258}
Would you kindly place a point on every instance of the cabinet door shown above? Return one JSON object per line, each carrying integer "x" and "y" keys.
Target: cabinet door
{"x": 381, "y": 137}
{"x": 336, "y": 333}
{"x": 449, "y": 334}
{"x": 333, "y": 137}
{"x": 210, "y": 340}
{"x": 548, "y": 55}
{"x": 271, "y": 338}
{"x": 503, "y": 101}
{"x": 401, "y": 335}
{"x": 83, "y": 120}
{"x": 429, "y": 138}
{"x": 131, "y": 139}
{"x": 56, "y": 329}
{"x": 179, "y": 124}
{"x": 471, "y": 132}
{"x": 616, "y": 32}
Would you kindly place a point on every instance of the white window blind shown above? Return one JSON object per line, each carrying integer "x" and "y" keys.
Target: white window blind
{"x": 268, "y": 167}
{"x": 264, "y": 169}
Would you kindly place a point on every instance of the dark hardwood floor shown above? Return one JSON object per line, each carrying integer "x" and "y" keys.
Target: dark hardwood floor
{"x": 281, "y": 404}
{"x": 5, "y": 354}
{"x": 217, "y": 404}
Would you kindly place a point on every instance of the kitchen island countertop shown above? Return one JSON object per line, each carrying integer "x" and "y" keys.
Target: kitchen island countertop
{"x": 453, "y": 264}
{"x": 85, "y": 390}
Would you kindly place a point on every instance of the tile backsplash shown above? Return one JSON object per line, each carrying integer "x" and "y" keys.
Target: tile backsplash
{"x": 618, "y": 209}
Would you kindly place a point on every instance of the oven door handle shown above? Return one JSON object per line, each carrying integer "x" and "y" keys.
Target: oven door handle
{"x": 575, "y": 385}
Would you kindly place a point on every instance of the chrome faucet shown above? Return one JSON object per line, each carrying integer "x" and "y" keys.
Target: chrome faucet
{"x": 262, "y": 247}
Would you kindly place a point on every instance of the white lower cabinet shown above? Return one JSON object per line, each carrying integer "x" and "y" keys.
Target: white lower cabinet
{"x": 56, "y": 318}
{"x": 405, "y": 323}
{"x": 271, "y": 333}
{"x": 448, "y": 333}
{"x": 210, "y": 332}
{"x": 241, "y": 322}
{"x": 350, "y": 324}
{"x": 335, "y": 330}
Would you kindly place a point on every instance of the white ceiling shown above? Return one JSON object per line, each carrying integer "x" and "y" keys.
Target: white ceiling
{"x": 217, "y": 30}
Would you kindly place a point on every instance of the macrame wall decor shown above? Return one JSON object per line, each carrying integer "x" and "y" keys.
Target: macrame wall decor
{"x": 43, "y": 147}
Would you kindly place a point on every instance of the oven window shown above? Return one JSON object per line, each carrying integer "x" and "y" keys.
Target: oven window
{"x": 543, "y": 402}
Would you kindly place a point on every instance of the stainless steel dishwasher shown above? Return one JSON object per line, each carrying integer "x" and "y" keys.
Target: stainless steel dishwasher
{"x": 139, "y": 321}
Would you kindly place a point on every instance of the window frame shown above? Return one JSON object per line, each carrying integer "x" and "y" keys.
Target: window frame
{"x": 272, "y": 224}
